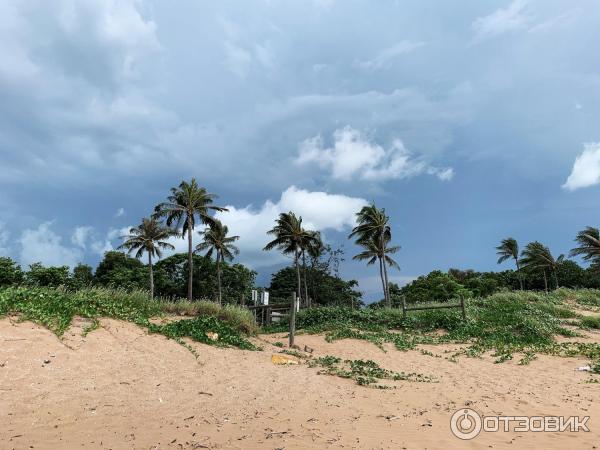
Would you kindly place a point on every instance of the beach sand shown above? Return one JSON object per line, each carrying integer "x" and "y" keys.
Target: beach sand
{"x": 121, "y": 388}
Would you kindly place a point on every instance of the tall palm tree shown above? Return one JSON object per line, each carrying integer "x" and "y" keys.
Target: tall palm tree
{"x": 185, "y": 203}
{"x": 537, "y": 256}
{"x": 589, "y": 241}
{"x": 290, "y": 238}
{"x": 148, "y": 237}
{"x": 215, "y": 240}
{"x": 509, "y": 248}
{"x": 373, "y": 225}
{"x": 376, "y": 250}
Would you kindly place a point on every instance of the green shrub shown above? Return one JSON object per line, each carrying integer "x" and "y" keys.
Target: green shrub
{"x": 590, "y": 322}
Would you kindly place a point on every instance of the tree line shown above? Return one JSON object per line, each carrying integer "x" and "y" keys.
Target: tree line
{"x": 190, "y": 205}
{"x": 536, "y": 257}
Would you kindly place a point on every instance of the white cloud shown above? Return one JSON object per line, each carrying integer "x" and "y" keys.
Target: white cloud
{"x": 80, "y": 236}
{"x": 586, "y": 169}
{"x": 386, "y": 56}
{"x": 371, "y": 286}
{"x": 319, "y": 210}
{"x": 120, "y": 212}
{"x": 4, "y": 235}
{"x": 354, "y": 156}
{"x": 45, "y": 246}
{"x": 501, "y": 21}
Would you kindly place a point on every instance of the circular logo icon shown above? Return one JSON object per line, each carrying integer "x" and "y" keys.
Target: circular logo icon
{"x": 465, "y": 424}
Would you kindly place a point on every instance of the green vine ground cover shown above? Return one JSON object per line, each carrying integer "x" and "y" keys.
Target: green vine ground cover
{"x": 365, "y": 373}
{"x": 56, "y": 308}
{"x": 504, "y": 324}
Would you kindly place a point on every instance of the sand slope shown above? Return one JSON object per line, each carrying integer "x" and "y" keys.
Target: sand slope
{"x": 120, "y": 388}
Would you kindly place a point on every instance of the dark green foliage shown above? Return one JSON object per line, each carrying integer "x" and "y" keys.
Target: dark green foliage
{"x": 121, "y": 271}
{"x": 437, "y": 286}
{"x": 198, "y": 328}
{"x": 83, "y": 276}
{"x": 39, "y": 275}
{"x": 171, "y": 278}
{"x": 10, "y": 272}
{"x": 324, "y": 289}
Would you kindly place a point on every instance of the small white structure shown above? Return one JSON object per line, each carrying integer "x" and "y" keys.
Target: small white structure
{"x": 255, "y": 297}
{"x": 264, "y": 297}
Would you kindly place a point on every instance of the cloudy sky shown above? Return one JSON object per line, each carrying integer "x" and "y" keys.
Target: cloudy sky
{"x": 468, "y": 122}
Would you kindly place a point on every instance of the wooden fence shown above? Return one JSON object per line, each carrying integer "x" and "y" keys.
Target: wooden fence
{"x": 460, "y": 305}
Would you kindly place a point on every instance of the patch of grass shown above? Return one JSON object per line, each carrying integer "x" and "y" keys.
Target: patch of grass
{"x": 365, "y": 373}
{"x": 238, "y": 317}
{"x": 590, "y": 322}
{"x": 584, "y": 297}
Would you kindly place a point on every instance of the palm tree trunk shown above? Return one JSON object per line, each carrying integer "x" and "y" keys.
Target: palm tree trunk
{"x": 151, "y": 276}
{"x": 382, "y": 281}
{"x": 219, "y": 278}
{"x": 556, "y": 278}
{"x": 306, "y": 301}
{"x": 519, "y": 273}
{"x": 387, "y": 284}
{"x": 296, "y": 258}
{"x": 388, "y": 301}
{"x": 545, "y": 281}
{"x": 190, "y": 260}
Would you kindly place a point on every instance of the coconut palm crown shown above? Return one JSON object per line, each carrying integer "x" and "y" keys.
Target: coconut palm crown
{"x": 150, "y": 237}
{"x": 215, "y": 240}
{"x": 187, "y": 202}
{"x": 589, "y": 246}
{"x": 509, "y": 249}
{"x": 373, "y": 232}
{"x": 290, "y": 238}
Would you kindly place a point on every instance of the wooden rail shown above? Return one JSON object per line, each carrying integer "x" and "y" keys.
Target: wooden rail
{"x": 263, "y": 314}
{"x": 460, "y": 305}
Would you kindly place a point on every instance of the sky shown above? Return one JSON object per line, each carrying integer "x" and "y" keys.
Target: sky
{"x": 467, "y": 121}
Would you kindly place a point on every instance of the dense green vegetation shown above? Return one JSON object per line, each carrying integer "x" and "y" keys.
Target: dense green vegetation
{"x": 55, "y": 309}
{"x": 324, "y": 288}
{"x": 504, "y": 323}
{"x": 120, "y": 271}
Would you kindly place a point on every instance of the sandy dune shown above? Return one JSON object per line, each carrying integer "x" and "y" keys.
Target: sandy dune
{"x": 120, "y": 388}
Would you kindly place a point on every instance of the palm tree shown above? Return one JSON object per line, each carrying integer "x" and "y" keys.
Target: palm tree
{"x": 215, "y": 240}
{"x": 148, "y": 237}
{"x": 181, "y": 208}
{"x": 373, "y": 225}
{"x": 311, "y": 244}
{"x": 509, "y": 248}
{"x": 589, "y": 241}
{"x": 290, "y": 238}
{"x": 376, "y": 250}
{"x": 538, "y": 256}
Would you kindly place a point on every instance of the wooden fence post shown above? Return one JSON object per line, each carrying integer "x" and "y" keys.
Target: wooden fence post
{"x": 293, "y": 320}
{"x": 403, "y": 306}
{"x": 462, "y": 306}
